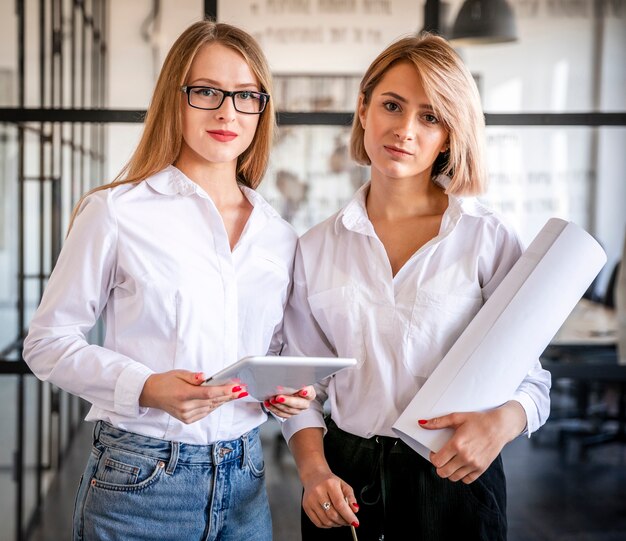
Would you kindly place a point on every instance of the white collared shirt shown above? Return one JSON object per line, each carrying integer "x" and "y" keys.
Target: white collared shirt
{"x": 345, "y": 302}
{"x": 154, "y": 258}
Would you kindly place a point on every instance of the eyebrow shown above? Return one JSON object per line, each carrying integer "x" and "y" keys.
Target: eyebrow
{"x": 404, "y": 100}
{"x": 212, "y": 82}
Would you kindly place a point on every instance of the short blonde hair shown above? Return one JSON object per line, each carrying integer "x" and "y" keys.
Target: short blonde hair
{"x": 453, "y": 94}
{"x": 162, "y": 136}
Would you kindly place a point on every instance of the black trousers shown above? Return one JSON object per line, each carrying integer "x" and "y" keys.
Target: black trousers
{"x": 401, "y": 497}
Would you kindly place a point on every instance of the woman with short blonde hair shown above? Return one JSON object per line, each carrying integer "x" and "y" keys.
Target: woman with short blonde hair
{"x": 392, "y": 280}
{"x": 451, "y": 89}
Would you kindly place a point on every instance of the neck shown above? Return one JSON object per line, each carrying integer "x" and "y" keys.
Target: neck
{"x": 391, "y": 199}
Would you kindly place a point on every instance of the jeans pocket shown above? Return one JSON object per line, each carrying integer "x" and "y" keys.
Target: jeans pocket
{"x": 256, "y": 462}
{"x": 81, "y": 495}
{"x": 119, "y": 469}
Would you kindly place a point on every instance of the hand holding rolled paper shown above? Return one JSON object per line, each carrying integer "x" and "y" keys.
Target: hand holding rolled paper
{"x": 492, "y": 356}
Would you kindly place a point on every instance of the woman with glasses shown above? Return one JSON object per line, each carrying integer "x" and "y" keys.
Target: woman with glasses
{"x": 393, "y": 279}
{"x": 190, "y": 269}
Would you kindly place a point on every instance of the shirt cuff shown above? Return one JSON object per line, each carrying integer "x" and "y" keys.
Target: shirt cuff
{"x": 532, "y": 415}
{"x": 128, "y": 389}
{"x": 311, "y": 418}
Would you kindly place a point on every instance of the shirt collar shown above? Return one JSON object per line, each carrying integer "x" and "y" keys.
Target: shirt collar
{"x": 259, "y": 204}
{"x": 172, "y": 181}
{"x": 354, "y": 215}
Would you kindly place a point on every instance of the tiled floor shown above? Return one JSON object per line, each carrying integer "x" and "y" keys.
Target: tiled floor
{"x": 550, "y": 498}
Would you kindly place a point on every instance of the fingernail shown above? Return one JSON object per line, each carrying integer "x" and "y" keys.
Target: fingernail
{"x": 355, "y": 524}
{"x": 267, "y": 403}
{"x": 304, "y": 392}
{"x": 355, "y": 505}
{"x": 280, "y": 400}
{"x": 422, "y": 421}
{"x": 236, "y": 388}
{"x": 242, "y": 395}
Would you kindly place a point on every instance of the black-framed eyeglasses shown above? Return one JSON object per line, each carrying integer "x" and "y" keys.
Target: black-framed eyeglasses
{"x": 209, "y": 98}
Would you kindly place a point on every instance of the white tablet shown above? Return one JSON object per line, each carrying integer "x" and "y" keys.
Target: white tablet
{"x": 271, "y": 375}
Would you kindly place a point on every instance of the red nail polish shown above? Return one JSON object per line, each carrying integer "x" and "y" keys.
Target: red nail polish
{"x": 242, "y": 395}
{"x": 236, "y": 388}
{"x": 355, "y": 505}
{"x": 267, "y": 403}
{"x": 280, "y": 400}
{"x": 304, "y": 392}
{"x": 355, "y": 524}
{"x": 422, "y": 421}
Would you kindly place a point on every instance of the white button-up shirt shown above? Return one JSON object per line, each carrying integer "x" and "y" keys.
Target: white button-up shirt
{"x": 345, "y": 302}
{"x": 154, "y": 258}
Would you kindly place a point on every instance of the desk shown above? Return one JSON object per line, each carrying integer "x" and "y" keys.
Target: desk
{"x": 590, "y": 324}
{"x": 585, "y": 345}
{"x": 602, "y": 370}
{"x": 584, "y": 350}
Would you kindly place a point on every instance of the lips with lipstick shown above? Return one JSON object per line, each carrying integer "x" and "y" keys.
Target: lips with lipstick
{"x": 222, "y": 135}
{"x": 397, "y": 151}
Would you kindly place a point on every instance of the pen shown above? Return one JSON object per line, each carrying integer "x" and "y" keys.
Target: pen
{"x": 352, "y": 528}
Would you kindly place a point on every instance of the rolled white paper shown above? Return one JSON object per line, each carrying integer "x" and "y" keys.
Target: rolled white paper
{"x": 501, "y": 344}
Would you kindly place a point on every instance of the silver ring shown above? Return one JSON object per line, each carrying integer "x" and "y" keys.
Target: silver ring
{"x": 325, "y": 506}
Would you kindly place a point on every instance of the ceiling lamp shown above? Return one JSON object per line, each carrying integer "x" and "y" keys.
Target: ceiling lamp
{"x": 483, "y": 22}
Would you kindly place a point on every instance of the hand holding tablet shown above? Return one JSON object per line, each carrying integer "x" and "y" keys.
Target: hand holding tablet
{"x": 267, "y": 376}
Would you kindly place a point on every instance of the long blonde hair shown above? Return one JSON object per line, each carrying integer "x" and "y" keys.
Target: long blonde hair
{"x": 161, "y": 139}
{"x": 453, "y": 94}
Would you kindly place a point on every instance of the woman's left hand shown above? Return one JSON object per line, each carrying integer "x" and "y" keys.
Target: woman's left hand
{"x": 288, "y": 405}
{"x": 478, "y": 439}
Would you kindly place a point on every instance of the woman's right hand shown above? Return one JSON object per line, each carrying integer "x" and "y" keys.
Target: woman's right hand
{"x": 324, "y": 486}
{"x": 181, "y": 394}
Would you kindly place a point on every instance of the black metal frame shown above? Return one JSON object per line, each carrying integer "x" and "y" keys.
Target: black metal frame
{"x": 328, "y": 118}
{"x": 83, "y": 144}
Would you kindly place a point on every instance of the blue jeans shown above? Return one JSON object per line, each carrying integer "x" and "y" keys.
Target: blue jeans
{"x": 402, "y": 498}
{"x": 140, "y": 488}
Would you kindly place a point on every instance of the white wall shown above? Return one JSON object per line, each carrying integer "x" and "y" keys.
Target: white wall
{"x": 323, "y": 36}
{"x": 134, "y": 63}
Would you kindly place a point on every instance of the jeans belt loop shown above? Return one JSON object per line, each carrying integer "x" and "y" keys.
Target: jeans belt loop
{"x": 96, "y": 431}
{"x": 244, "y": 449}
{"x": 171, "y": 465}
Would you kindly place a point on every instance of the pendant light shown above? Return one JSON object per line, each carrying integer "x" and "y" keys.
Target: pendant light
{"x": 484, "y": 22}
